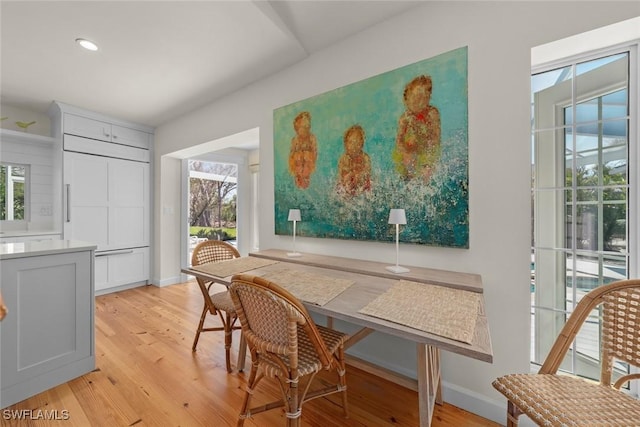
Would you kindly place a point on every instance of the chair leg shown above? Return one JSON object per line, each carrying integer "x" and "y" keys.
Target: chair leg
{"x": 295, "y": 405}
{"x": 292, "y": 404}
{"x": 242, "y": 353}
{"x": 251, "y": 383}
{"x": 227, "y": 339}
{"x": 200, "y": 325}
{"x": 512, "y": 414}
{"x": 342, "y": 372}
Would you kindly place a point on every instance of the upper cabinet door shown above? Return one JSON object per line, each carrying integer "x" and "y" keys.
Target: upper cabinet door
{"x": 103, "y": 131}
{"x": 132, "y": 137}
{"x": 88, "y": 128}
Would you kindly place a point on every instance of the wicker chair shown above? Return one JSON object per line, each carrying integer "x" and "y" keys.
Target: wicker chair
{"x": 220, "y": 303}
{"x": 552, "y": 399}
{"x": 285, "y": 344}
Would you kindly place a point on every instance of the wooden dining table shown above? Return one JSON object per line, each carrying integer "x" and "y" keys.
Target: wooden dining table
{"x": 361, "y": 287}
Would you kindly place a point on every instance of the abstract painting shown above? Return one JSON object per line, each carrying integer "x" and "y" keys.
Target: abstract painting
{"x": 395, "y": 140}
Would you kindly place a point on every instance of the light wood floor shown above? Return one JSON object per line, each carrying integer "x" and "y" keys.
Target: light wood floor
{"x": 146, "y": 375}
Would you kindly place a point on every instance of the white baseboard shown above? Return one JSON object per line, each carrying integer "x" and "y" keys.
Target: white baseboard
{"x": 119, "y": 288}
{"x": 475, "y": 403}
{"x": 480, "y": 404}
{"x": 167, "y": 282}
{"x": 471, "y": 401}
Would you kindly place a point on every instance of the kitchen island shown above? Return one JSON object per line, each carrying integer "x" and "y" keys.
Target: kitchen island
{"x": 47, "y": 337}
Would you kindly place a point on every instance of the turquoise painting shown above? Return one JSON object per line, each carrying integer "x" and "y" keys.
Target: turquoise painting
{"x": 395, "y": 140}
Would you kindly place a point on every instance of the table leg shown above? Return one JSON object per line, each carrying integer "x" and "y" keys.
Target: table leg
{"x": 429, "y": 385}
{"x": 329, "y": 322}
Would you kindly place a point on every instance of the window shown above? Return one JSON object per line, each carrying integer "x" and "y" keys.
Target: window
{"x": 13, "y": 190}
{"x": 581, "y": 192}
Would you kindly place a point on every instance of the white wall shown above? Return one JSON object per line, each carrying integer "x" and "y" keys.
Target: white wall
{"x": 500, "y": 36}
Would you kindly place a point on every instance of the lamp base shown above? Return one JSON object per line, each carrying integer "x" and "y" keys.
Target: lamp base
{"x": 397, "y": 269}
{"x": 293, "y": 254}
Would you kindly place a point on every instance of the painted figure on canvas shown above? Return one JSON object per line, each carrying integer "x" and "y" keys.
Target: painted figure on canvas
{"x": 354, "y": 166}
{"x": 399, "y": 138}
{"x": 417, "y": 148}
{"x": 304, "y": 151}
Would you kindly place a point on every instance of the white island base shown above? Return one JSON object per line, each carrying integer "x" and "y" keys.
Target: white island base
{"x": 47, "y": 337}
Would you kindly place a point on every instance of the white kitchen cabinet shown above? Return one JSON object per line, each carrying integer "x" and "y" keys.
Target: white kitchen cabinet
{"x": 106, "y": 166}
{"x": 47, "y": 337}
{"x": 106, "y": 201}
{"x": 105, "y": 131}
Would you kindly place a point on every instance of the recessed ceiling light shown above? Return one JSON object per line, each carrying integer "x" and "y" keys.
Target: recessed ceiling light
{"x": 87, "y": 44}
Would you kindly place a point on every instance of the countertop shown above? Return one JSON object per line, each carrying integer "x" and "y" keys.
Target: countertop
{"x": 27, "y": 233}
{"x": 43, "y": 247}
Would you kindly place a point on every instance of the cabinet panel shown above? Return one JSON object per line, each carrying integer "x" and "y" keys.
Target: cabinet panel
{"x": 128, "y": 136}
{"x": 107, "y": 201}
{"x": 89, "y": 177}
{"x": 103, "y": 148}
{"x": 47, "y": 337}
{"x": 121, "y": 268}
{"x": 86, "y": 215}
{"x": 105, "y": 131}
{"x": 89, "y": 128}
{"x": 88, "y": 224}
{"x": 128, "y": 203}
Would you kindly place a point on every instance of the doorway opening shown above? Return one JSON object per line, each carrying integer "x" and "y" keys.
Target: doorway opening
{"x": 239, "y": 151}
{"x": 213, "y": 202}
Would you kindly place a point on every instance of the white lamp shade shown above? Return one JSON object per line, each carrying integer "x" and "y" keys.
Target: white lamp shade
{"x": 397, "y": 216}
{"x": 294, "y": 215}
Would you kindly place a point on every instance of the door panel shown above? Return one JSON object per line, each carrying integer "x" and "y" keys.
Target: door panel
{"x": 107, "y": 201}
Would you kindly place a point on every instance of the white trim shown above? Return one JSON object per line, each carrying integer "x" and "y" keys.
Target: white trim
{"x": 479, "y": 404}
{"x": 591, "y": 42}
{"x": 170, "y": 281}
{"x": 120, "y": 288}
{"x": 634, "y": 155}
{"x": 634, "y": 176}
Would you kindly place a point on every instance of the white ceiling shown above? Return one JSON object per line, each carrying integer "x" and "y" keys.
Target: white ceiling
{"x": 161, "y": 59}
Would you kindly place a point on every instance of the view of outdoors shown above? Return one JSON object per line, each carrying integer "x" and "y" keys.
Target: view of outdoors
{"x": 12, "y": 180}
{"x": 212, "y": 201}
{"x": 580, "y": 192}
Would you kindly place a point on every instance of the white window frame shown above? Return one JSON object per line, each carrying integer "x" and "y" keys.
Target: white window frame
{"x": 9, "y": 197}
{"x": 633, "y": 202}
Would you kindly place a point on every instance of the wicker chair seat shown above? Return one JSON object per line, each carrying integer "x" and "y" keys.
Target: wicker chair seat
{"x": 562, "y": 400}
{"x": 222, "y": 301}
{"x": 308, "y": 361}
{"x": 552, "y": 398}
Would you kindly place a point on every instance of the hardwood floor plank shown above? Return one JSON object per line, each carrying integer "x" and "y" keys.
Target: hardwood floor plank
{"x": 147, "y": 375}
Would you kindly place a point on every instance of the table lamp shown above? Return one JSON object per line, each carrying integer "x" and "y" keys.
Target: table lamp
{"x": 294, "y": 215}
{"x": 397, "y": 217}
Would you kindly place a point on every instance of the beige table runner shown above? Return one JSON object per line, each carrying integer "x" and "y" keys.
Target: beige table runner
{"x": 451, "y": 313}
{"x": 233, "y": 266}
{"x": 309, "y": 287}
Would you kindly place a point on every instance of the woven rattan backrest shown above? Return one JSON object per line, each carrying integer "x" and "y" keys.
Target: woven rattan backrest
{"x": 620, "y": 329}
{"x": 620, "y": 332}
{"x": 207, "y": 252}
{"x": 213, "y": 251}
{"x": 270, "y": 316}
{"x": 271, "y": 320}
